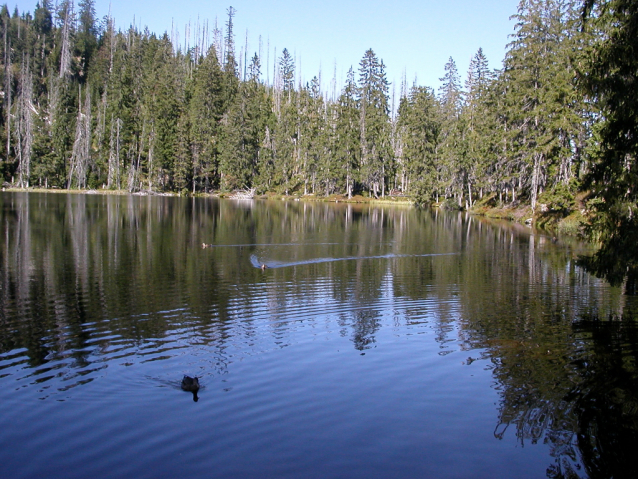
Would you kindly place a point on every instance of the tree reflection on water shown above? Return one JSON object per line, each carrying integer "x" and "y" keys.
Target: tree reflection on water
{"x": 124, "y": 277}
{"x": 582, "y": 401}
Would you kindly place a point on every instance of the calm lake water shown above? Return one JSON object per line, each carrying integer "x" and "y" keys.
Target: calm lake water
{"x": 379, "y": 342}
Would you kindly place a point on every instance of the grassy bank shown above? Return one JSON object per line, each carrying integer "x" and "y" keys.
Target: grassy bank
{"x": 548, "y": 216}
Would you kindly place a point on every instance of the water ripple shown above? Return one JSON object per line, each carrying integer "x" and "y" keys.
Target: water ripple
{"x": 272, "y": 264}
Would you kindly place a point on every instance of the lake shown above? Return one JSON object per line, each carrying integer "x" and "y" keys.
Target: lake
{"x": 379, "y": 341}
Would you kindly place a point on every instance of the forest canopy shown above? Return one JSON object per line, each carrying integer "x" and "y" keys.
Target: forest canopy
{"x": 87, "y": 105}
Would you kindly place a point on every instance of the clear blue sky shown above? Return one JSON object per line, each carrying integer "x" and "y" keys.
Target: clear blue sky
{"x": 417, "y": 37}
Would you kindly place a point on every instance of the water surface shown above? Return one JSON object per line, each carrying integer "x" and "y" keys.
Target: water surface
{"x": 378, "y": 342}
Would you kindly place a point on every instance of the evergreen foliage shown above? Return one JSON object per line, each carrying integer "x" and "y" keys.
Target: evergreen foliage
{"x": 610, "y": 77}
{"x": 418, "y": 134}
{"x": 374, "y": 123}
{"x": 85, "y": 105}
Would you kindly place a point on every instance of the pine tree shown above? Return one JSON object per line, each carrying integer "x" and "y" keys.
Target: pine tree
{"x": 347, "y": 132}
{"x": 610, "y": 74}
{"x": 376, "y": 151}
{"x": 418, "y": 128}
{"x": 8, "y": 82}
{"x": 66, "y": 16}
{"x": 243, "y": 133}
{"x": 287, "y": 71}
{"x": 207, "y": 106}
{"x": 182, "y": 164}
{"x": 312, "y": 136}
{"x": 86, "y": 36}
{"x": 540, "y": 92}
{"x": 450, "y": 150}
{"x": 285, "y": 149}
{"x": 164, "y": 100}
{"x": 477, "y": 120}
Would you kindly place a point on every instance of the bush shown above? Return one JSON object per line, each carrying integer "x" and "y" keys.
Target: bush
{"x": 450, "y": 204}
{"x": 560, "y": 198}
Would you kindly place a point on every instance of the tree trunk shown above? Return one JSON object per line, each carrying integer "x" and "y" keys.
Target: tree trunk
{"x": 535, "y": 179}
{"x": 25, "y": 125}
{"x": 7, "y": 88}
{"x": 65, "y": 52}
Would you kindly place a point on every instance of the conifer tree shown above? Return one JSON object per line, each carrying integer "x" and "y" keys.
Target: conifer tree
{"x": 313, "y": 137}
{"x": 243, "y": 132}
{"x": 207, "y": 105}
{"x": 287, "y": 71}
{"x": 540, "y": 91}
{"x": 5, "y": 18}
{"x": 347, "y": 131}
{"x": 66, "y": 17}
{"x": 477, "y": 138}
{"x": 285, "y": 149}
{"x": 376, "y": 151}
{"x": 610, "y": 75}
{"x": 418, "y": 129}
{"x": 164, "y": 100}
{"x": 86, "y": 36}
{"x": 450, "y": 151}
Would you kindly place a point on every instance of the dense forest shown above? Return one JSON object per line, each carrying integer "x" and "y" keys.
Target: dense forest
{"x": 85, "y": 105}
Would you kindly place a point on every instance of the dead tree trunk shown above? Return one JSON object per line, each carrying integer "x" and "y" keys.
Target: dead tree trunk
{"x": 65, "y": 53}
{"x": 8, "y": 88}
{"x": 82, "y": 145}
{"x": 25, "y": 125}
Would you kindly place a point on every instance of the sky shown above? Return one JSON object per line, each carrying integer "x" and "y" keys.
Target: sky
{"x": 413, "y": 38}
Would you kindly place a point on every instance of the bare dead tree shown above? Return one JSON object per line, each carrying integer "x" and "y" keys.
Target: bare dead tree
{"x": 134, "y": 166}
{"x": 82, "y": 145}
{"x": 218, "y": 36}
{"x": 25, "y": 124}
{"x": 113, "y": 41}
{"x": 100, "y": 129}
{"x": 113, "y": 178}
{"x": 246, "y": 55}
{"x": 8, "y": 87}
{"x": 151, "y": 157}
{"x": 53, "y": 97}
{"x": 65, "y": 53}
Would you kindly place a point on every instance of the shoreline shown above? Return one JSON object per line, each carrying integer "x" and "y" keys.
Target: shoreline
{"x": 570, "y": 223}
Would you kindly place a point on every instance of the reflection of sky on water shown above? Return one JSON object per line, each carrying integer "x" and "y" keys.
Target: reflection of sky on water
{"x": 404, "y": 333}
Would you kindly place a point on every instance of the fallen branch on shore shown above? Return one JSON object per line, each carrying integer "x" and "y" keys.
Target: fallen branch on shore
{"x": 247, "y": 194}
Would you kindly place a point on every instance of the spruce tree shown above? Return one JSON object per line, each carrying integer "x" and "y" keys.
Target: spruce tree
{"x": 287, "y": 71}
{"x": 540, "y": 92}
{"x": 243, "y": 133}
{"x": 376, "y": 151}
{"x": 478, "y": 126}
{"x": 450, "y": 151}
{"x": 208, "y": 101}
{"x": 610, "y": 77}
{"x": 347, "y": 132}
{"x": 86, "y": 36}
{"x": 418, "y": 128}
